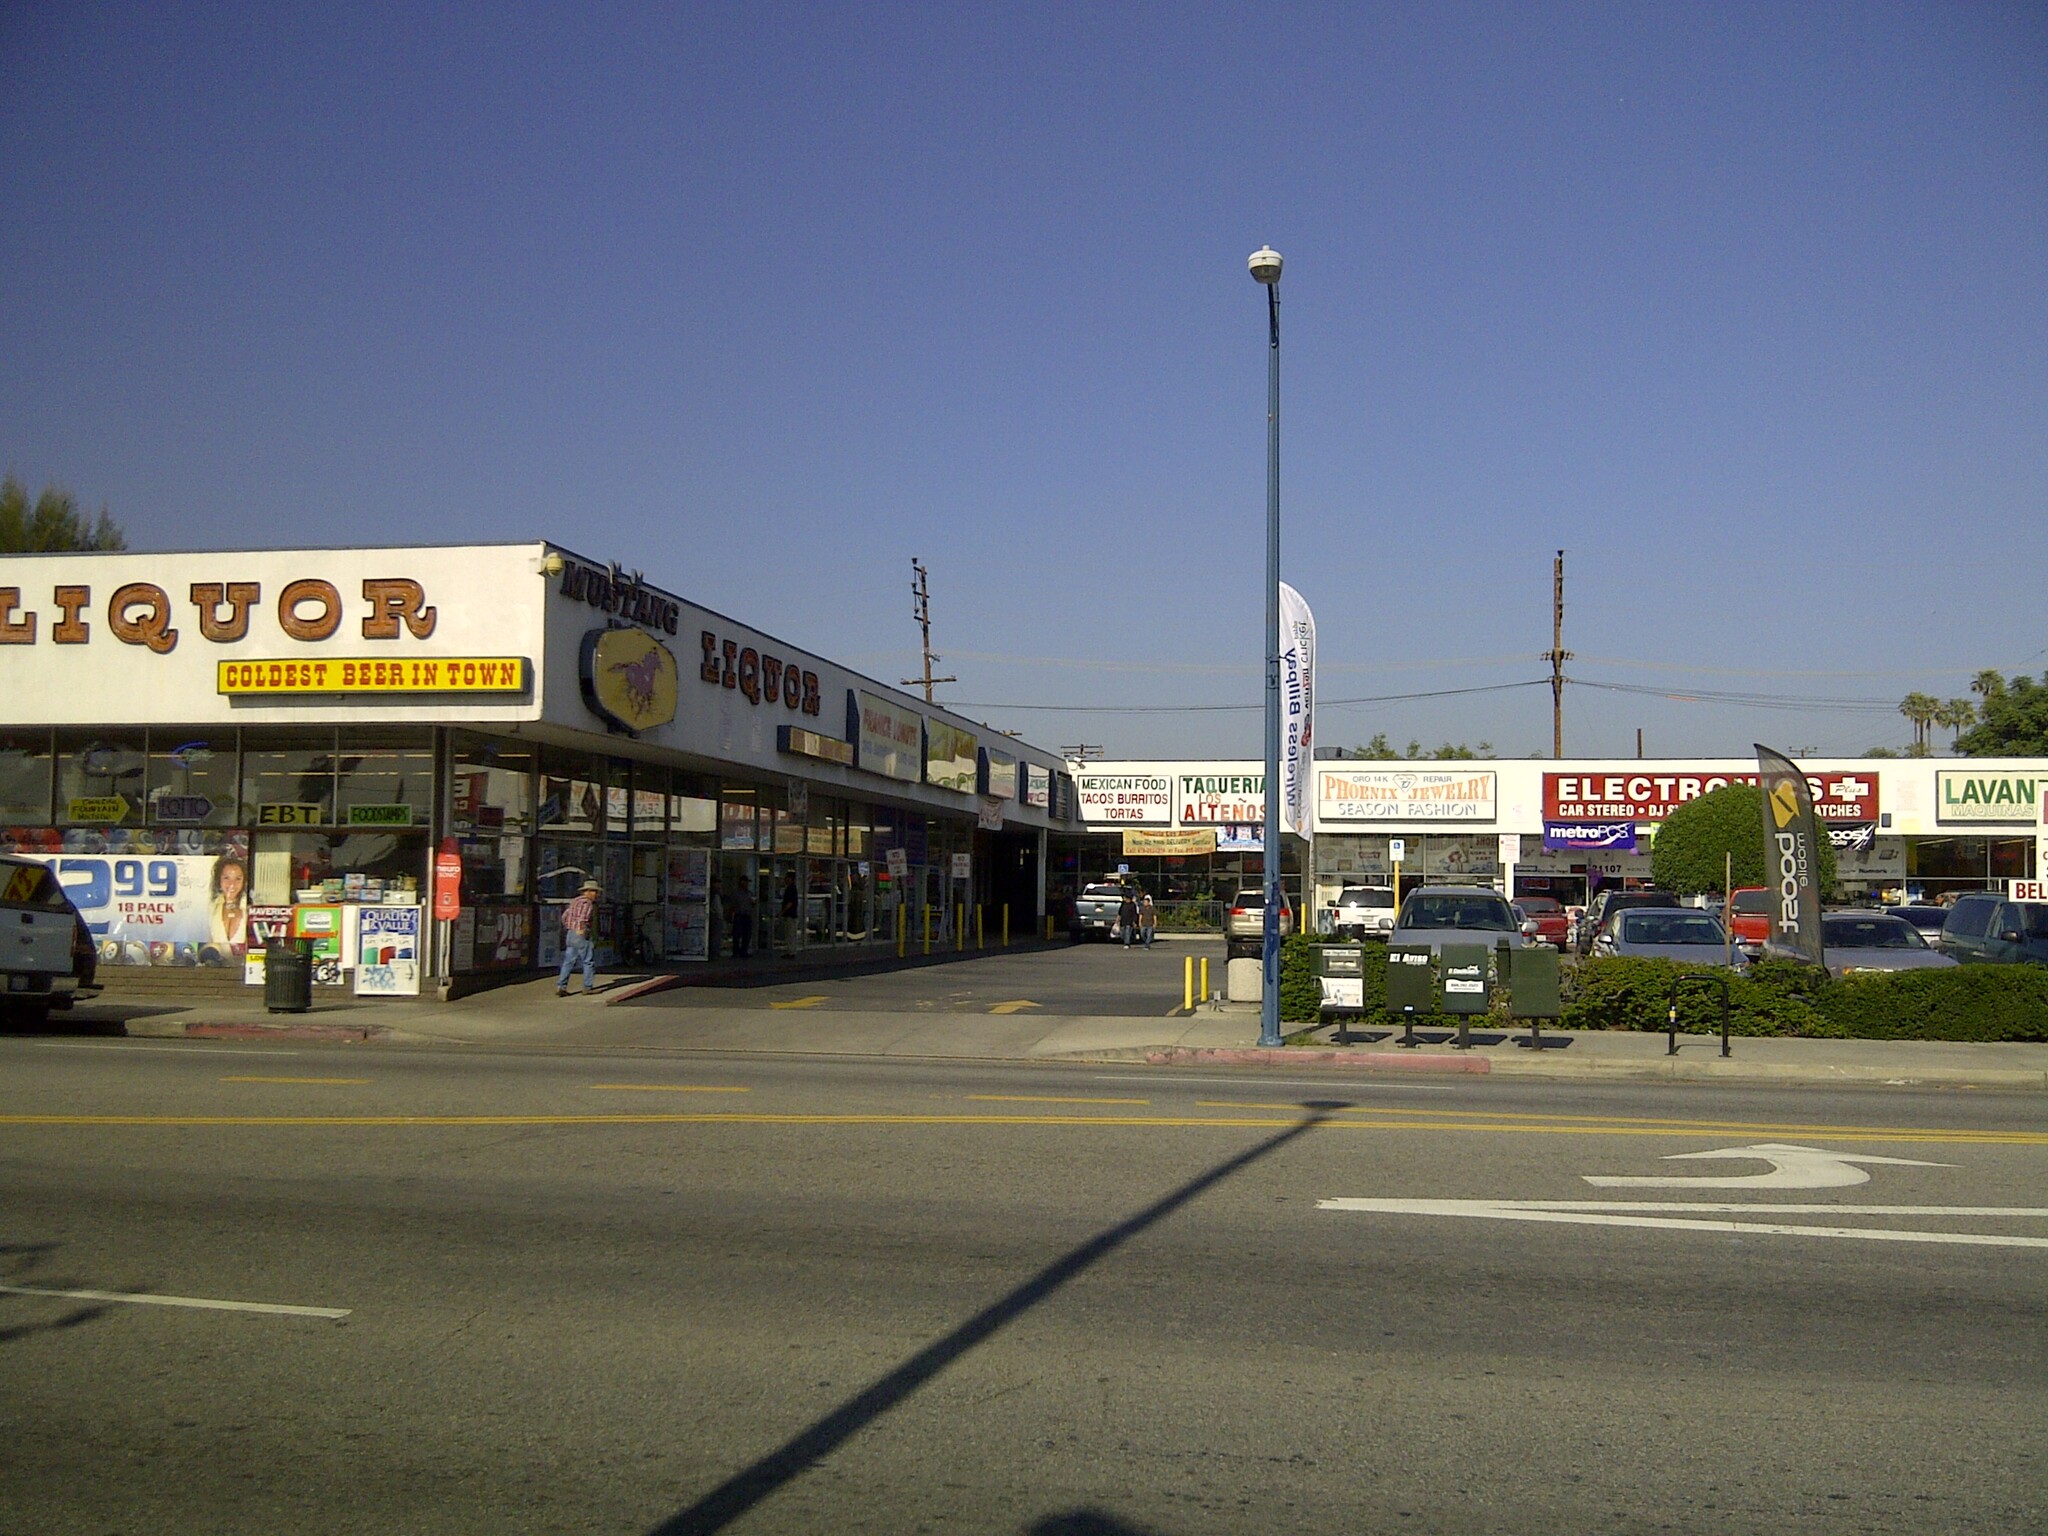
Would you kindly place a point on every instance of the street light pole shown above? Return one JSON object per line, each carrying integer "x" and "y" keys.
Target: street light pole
{"x": 1265, "y": 269}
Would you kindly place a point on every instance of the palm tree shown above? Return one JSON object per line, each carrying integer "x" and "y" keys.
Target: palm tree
{"x": 1919, "y": 708}
{"x": 1988, "y": 685}
{"x": 1958, "y": 715}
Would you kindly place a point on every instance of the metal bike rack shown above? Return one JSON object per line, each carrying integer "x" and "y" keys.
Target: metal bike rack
{"x": 1678, "y": 985}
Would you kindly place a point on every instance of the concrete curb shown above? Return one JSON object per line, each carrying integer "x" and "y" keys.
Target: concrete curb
{"x": 1368, "y": 1061}
{"x": 349, "y": 1034}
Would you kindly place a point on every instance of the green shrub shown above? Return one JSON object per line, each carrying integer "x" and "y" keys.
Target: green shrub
{"x": 1971, "y": 1002}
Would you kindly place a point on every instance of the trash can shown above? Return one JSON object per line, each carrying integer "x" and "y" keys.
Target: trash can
{"x": 287, "y": 977}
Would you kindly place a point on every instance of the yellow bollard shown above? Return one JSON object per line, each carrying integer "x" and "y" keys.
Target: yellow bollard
{"x": 959, "y": 926}
{"x": 899, "y": 930}
{"x": 1006, "y": 925}
{"x": 927, "y": 929}
{"x": 1205, "y": 978}
{"x": 1048, "y": 927}
{"x": 1187, "y": 983}
{"x": 980, "y": 939}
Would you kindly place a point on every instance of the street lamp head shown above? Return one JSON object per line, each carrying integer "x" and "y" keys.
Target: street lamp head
{"x": 1265, "y": 265}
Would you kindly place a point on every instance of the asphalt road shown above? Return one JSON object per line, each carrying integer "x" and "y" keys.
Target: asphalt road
{"x": 634, "y": 1293}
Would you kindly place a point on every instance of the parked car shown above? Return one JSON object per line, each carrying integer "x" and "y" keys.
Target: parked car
{"x": 1547, "y": 912}
{"x": 1247, "y": 916}
{"x": 1667, "y": 933}
{"x": 1461, "y": 914}
{"x": 1875, "y": 941}
{"x": 47, "y": 957}
{"x": 1612, "y": 900}
{"x": 1985, "y": 927}
{"x": 1364, "y": 912}
{"x": 1927, "y": 919}
{"x": 1095, "y": 910}
{"x": 1749, "y": 917}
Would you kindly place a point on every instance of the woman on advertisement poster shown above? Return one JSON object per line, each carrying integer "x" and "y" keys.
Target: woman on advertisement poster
{"x": 228, "y": 912}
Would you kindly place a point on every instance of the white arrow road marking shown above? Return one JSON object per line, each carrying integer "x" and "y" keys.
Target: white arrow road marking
{"x": 1792, "y": 1167}
{"x": 1591, "y": 1213}
{"x": 205, "y": 1303}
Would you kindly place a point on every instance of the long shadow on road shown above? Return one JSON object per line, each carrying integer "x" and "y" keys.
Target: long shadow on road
{"x": 749, "y": 1487}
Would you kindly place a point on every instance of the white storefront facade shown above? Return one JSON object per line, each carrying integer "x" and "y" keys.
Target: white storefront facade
{"x": 1903, "y": 828}
{"x": 214, "y": 748}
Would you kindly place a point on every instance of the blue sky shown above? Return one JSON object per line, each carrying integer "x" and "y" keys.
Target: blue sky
{"x": 1741, "y": 306}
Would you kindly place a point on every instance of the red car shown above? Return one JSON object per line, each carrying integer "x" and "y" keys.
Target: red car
{"x": 1749, "y": 916}
{"x": 1553, "y": 926}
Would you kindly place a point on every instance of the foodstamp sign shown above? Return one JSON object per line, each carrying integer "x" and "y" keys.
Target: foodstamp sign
{"x": 1127, "y": 798}
{"x": 1838, "y": 798}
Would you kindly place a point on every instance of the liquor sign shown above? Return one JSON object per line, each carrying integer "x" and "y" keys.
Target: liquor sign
{"x": 1988, "y": 797}
{"x": 1125, "y": 797}
{"x": 1350, "y": 795}
{"x": 370, "y": 675}
{"x": 1838, "y": 798}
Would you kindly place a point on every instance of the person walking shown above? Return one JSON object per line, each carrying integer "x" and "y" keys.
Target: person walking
{"x": 579, "y": 932}
{"x": 1127, "y": 918}
{"x": 743, "y": 922}
{"x": 1148, "y": 920}
{"x": 792, "y": 913}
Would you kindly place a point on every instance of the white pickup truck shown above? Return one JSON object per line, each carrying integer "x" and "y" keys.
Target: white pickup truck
{"x": 1095, "y": 910}
{"x": 47, "y": 958}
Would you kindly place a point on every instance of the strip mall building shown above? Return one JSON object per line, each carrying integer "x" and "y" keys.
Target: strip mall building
{"x": 1902, "y": 827}
{"x": 212, "y": 747}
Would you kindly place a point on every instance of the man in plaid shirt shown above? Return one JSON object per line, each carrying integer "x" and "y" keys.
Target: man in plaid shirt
{"x": 579, "y": 931}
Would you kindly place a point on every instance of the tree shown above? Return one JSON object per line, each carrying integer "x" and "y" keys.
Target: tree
{"x": 1380, "y": 750}
{"x": 1956, "y": 714}
{"x": 53, "y": 523}
{"x": 1693, "y": 846}
{"x": 2013, "y": 721}
{"x": 1988, "y": 685}
{"x": 1920, "y": 709}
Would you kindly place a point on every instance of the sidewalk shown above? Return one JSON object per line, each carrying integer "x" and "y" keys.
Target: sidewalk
{"x": 528, "y": 1014}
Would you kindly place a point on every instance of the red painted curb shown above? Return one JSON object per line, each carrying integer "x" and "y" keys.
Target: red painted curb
{"x": 353, "y": 1034}
{"x": 1369, "y": 1061}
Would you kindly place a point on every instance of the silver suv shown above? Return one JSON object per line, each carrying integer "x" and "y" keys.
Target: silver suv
{"x": 1461, "y": 914}
{"x": 1364, "y": 912}
{"x": 1247, "y": 916}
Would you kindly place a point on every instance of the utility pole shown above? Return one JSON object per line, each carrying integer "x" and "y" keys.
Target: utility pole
{"x": 1557, "y": 656}
{"x": 921, "y": 610}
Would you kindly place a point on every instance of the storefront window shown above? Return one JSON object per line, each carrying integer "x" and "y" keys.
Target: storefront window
{"x": 99, "y": 777}
{"x": 339, "y": 866}
{"x": 192, "y": 772}
{"x": 288, "y": 778}
{"x": 571, "y": 797}
{"x": 490, "y": 809}
{"x": 25, "y": 778}
{"x": 736, "y": 818}
{"x": 692, "y": 811}
{"x": 565, "y": 863}
{"x": 385, "y": 779}
{"x": 650, "y": 802}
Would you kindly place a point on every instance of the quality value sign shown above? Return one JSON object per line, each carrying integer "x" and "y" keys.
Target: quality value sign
{"x": 1838, "y": 798}
{"x": 1125, "y": 797}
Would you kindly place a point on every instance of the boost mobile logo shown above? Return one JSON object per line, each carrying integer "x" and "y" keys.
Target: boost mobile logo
{"x": 1784, "y": 803}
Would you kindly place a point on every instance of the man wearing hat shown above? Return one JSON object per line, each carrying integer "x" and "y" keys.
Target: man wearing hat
{"x": 579, "y": 926}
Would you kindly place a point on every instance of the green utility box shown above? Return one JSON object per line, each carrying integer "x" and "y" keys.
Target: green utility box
{"x": 1467, "y": 982}
{"x": 1537, "y": 991}
{"x": 1411, "y": 986}
{"x": 1340, "y": 968}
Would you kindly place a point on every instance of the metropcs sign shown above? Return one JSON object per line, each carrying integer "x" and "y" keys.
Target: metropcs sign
{"x": 1848, "y": 798}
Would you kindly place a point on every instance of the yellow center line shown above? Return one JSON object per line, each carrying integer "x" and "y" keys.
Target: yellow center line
{"x": 329, "y": 1081}
{"x": 665, "y": 1088}
{"x": 1126, "y": 1121}
{"x": 1510, "y": 1118}
{"x": 800, "y": 1002}
{"x": 1032, "y": 1098}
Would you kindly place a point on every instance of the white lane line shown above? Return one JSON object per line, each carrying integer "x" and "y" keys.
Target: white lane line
{"x": 195, "y": 1048}
{"x": 1601, "y": 1214}
{"x": 204, "y": 1303}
